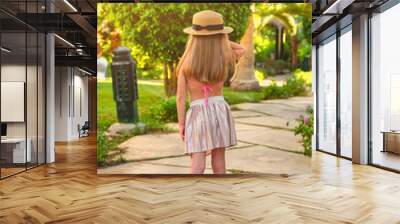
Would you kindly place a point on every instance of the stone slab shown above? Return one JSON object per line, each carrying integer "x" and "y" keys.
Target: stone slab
{"x": 268, "y": 121}
{"x": 155, "y": 146}
{"x": 253, "y": 159}
{"x": 274, "y": 138}
{"x": 273, "y": 109}
{"x": 244, "y": 113}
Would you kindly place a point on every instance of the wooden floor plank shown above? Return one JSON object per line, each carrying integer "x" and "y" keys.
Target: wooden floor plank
{"x": 69, "y": 191}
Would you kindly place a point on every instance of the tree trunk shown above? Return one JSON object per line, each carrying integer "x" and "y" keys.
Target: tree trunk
{"x": 294, "y": 61}
{"x": 276, "y": 43}
{"x": 231, "y": 70}
{"x": 173, "y": 80}
{"x": 170, "y": 79}
{"x": 244, "y": 77}
{"x": 166, "y": 80}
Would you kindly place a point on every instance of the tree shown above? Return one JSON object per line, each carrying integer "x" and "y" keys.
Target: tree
{"x": 156, "y": 29}
{"x": 244, "y": 77}
{"x": 108, "y": 38}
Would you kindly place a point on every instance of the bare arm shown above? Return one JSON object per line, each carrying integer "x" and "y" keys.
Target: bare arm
{"x": 238, "y": 50}
{"x": 180, "y": 103}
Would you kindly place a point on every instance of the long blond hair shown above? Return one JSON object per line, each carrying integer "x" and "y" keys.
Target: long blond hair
{"x": 206, "y": 58}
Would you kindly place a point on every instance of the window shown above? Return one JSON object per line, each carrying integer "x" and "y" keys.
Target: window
{"x": 22, "y": 77}
{"x": 327, "y": 95}
{"x": 385, "y": 89}
{"x": 346, "y": 92}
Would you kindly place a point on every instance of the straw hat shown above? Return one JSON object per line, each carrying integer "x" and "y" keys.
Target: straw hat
{"x": 207, "y": 22}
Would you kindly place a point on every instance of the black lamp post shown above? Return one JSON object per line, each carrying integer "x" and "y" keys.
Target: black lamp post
{"x": 125, "y": 89}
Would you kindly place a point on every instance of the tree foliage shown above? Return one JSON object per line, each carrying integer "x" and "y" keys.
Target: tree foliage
{"x": 157, "y": 28}
{"x": 154, "y": 31}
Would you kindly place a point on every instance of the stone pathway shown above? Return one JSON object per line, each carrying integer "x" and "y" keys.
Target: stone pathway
{"x": 266, "y": 144}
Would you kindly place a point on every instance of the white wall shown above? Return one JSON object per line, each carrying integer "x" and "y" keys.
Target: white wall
{"x": 61, "y": 103}
{"x": 71, "y": 102}
{"x": 12, "y": 73}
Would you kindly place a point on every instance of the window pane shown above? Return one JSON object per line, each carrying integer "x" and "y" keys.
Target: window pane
{"x": 31, "y": 97}
{"x": 41, "y": 99}
{"x": 386, "y": 88}
{"x": 327, "y": 96}
{"x": 346, "y": 93}
{"x": 14, "y": 150}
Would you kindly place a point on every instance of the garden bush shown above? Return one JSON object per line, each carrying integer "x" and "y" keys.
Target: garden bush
{"x": 293, "y": 87}
{"x": 305, "y": 128}
{"x": 306, "y": 75}
{"x": 106, "y": 145}
{"x": 275, "y": 92}
{"x": 296, "y": 86}
{"x": 260, "y": 74}
{"x": 101, "y": 148}
{"x": 165, "y": 111}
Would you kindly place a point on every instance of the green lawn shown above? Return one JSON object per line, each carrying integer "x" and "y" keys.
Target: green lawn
{"x": 235, "y": 97}
{"x": 149, "y": 94}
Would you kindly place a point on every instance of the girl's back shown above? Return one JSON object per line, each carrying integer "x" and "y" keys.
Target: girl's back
{"x": 198, "y": 90}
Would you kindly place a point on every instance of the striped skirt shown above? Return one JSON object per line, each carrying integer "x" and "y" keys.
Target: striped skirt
{"x": 209, "y": 127}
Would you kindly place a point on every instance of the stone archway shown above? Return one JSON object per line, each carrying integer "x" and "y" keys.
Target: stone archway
{"x": 244, "y": 76}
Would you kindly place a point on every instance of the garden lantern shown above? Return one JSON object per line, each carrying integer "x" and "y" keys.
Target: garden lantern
{"x": 124, "y": 81}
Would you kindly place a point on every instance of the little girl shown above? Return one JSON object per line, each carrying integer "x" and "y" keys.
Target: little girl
{"x": 208, "y": 126}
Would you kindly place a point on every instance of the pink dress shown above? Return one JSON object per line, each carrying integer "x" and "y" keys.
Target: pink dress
{"x": 209, "y": 123}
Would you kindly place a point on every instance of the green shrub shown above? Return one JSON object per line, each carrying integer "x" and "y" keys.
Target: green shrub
{"x": 165, "y": 111}
{"x": 293, "y": 87}
{"x": 296, "y": 86}
{"x": 101, "y": 148}
{"x": 106, "y": 145}
{"x": 260, "y": 75}
{"x": 306, "y": 75}
{"x": 305, "y": 128}
{"x": 275, "y": 92}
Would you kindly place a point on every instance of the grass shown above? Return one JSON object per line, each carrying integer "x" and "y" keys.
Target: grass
{"x": 235, "y": 97}
{"x": 149, "y": 94}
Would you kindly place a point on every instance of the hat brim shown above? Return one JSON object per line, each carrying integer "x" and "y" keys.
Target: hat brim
{"x": 190, "y": 30}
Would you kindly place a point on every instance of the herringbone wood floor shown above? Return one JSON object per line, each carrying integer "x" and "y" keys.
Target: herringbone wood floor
{"x": 69, "y": 191}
